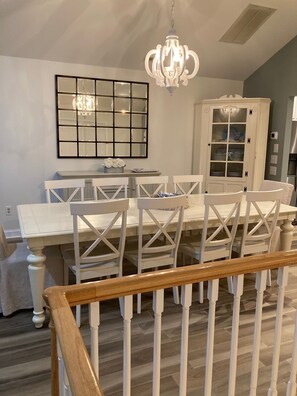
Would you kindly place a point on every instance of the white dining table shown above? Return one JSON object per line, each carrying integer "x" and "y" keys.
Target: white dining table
{"x": 51, "y": 224}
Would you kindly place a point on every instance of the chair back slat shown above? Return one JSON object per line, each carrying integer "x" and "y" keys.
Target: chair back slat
{"x": 110, "y": 188}
{"x": 150, "y": 186}
{"x": 72, "y": 189}
{"x": 187, "y": 184}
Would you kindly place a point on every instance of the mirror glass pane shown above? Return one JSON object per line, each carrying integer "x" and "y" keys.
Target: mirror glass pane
{"x": 139, "y": 105}
{"x": 138, "y": 150}
{"x": 122, "y": 150}
{"x": 68, "y": 149}
{"x": 67, "y": 84}
{"x": 67, "y": 117}
{"x": 86, "y": 119}
{"x": 122, "y": 135}
{"x": 85, "y": 86}
{"x": 105, "y": 150}
{"x": 122, "y": 89}
{"x": 66, "y": 101}
{"x": 87, "y": 149}
{"x": 138, "y": 121}
{"x": 104, "y": 87}
{"x": 103, "y": 118}
{"x": 105, "y": 134}
{"x": 104, "y": 103}
{"x": 86, "y": 134}
{"x": 122, "y": 105}
{"x": 67, "y": 133}
{"x": 139, "y": 90}
{"x": 139, "y": 135}
{"x": 122, "y": 120}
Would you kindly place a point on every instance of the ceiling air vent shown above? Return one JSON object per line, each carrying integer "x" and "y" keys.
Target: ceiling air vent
{"x": 247, "y": 24}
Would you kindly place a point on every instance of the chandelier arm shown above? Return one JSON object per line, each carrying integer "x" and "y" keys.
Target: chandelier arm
{"x": 196, "y": 64}
{"x": 151, "y": 53}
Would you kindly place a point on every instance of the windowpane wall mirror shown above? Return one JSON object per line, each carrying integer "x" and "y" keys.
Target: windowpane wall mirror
{"x": 101, "y": 118}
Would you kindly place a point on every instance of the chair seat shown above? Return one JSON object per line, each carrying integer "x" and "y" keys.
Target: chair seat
{"x": 150, "y": 260}
{"x": 212, "y": 253}
{"x": 250, "y": 248}
{"x": 89, "y": 271}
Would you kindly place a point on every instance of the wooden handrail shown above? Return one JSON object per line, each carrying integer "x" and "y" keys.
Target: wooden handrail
{"x": 59, "y": 299}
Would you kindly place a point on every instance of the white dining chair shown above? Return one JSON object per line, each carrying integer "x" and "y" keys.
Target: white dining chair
{"x": 288, "y": 188}
{"x": 216, "y": 240}
{"x": 103, "y": 256}
{"x": 187, "y": 184}
{"x": 64, "y": 190}
{"x": 160, "y": 248}
{"x": 256, "y": 236}
{"x": 110, "y": 188}
{"x": 150, "y": 186}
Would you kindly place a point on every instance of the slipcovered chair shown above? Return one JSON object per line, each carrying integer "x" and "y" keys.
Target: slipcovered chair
{"x": 15, "y": 291}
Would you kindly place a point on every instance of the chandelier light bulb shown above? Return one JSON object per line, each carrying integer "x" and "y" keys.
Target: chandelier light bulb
{"x": 168, "y": 63}
{"x": 85, "y": 104}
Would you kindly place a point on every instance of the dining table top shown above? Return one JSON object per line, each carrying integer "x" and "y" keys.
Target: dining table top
{"x": 51, "y": 223}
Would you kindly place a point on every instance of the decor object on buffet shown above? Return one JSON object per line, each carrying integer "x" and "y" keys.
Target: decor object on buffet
{"x": 168, "y": 63}
{"x": 114, "y": 165}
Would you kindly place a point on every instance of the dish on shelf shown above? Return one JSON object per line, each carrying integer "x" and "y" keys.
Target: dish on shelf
{"x": 217, "y": 173}
{"x": 143, "y": 170}
{"x": 219, "y": 156}
{"x": 234, "y": 174}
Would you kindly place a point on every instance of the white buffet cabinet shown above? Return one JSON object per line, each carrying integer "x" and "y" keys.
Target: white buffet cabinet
{"x": 230, "y": 139}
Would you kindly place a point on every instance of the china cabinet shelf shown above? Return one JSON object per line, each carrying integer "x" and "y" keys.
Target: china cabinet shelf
{"x": 230, "y": 142}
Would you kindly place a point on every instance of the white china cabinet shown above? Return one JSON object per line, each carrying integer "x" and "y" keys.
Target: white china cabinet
{"x": 230, "y": 139}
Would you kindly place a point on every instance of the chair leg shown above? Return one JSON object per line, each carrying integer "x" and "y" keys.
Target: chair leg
{"x": 201, "y": 292}
{"x": 139, "y": 303}
{"x": 66, "y": 274}
{"x": 268, "y": 281}
{"x": 230, "y": 284}
{"x": 78, "y": 312}
{"x": 176, "y": 295}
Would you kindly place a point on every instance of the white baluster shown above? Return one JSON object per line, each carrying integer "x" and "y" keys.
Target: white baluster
{"x": 291, "y": 387}
{"x": 261, "y": 278}
{"x": 237, "y": 288}
{"x": 61, "y": 369}
{"x": 94, "y": 321}
{"x": 127, "y": 313}
{"x": 186, "y": 301}
{"x": 212, "y": 295}
{"x": 282, "y": 281}
{"x": 158, "y": 307}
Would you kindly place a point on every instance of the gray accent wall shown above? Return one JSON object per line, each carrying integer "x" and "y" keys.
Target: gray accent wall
{"x": 277, "y": 80}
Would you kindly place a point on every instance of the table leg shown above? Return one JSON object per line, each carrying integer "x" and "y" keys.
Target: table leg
{"x": 286, "y": 235}
{"x": 36, "y": 270}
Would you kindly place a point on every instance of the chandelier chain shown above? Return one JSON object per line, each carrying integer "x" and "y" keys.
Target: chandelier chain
{"x": 172, "y": 14}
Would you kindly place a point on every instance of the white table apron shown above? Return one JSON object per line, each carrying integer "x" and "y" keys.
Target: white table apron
{"x": 51, "y": 224}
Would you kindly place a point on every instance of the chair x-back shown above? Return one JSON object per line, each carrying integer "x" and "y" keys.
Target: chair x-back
{"x": 257, "y": 235}
{"x": 55, "y": 188}
{"x": 187, "y": 184}
{"x": 110, "y": 188}
{"x": 150, "y": 186}
{"x": 159, "y": 248}
{"x": 104, "y": 224}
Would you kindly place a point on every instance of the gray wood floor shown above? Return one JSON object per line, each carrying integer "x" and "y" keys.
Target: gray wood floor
{"x": 25, "y": 351}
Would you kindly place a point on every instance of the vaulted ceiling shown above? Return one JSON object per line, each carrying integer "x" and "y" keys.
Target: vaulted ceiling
{"x": 119, "y": 33}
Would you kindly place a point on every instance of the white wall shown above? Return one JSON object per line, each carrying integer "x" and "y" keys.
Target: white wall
{"x": 28, "y": 126}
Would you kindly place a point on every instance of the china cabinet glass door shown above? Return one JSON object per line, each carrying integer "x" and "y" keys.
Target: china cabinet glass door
{"x": 228, "y": 138}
